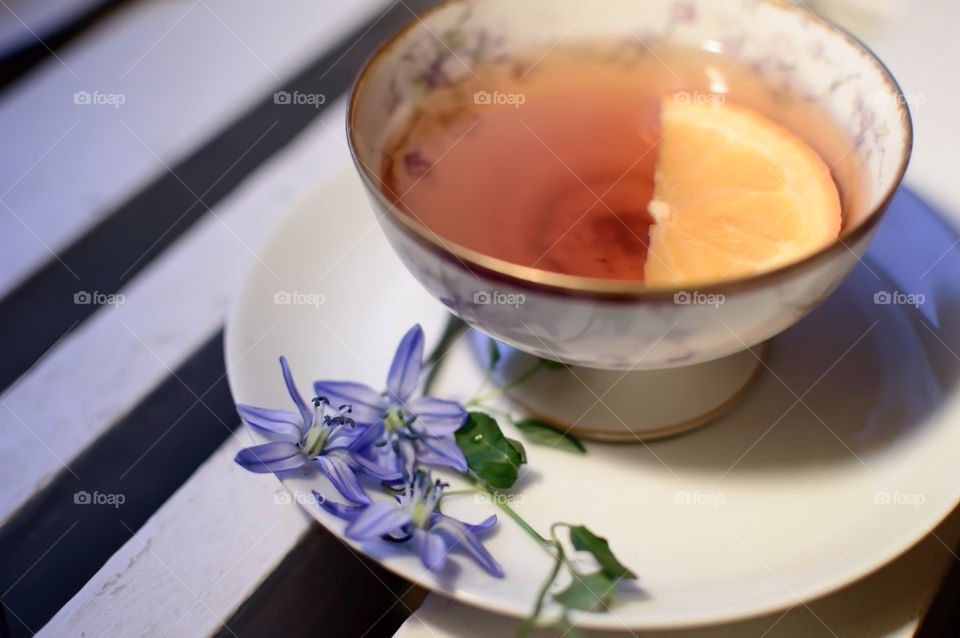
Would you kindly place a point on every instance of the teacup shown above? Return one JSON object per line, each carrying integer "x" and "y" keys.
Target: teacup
{"x": 615, "y": 325}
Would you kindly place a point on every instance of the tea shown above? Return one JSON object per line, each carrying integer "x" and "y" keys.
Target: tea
{"x": 549, "y": 160}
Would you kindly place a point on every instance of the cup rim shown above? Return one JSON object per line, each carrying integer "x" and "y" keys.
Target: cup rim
{"x": 536, "y": 279}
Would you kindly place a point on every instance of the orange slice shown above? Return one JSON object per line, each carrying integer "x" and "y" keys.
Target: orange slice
{"x": 735, "y": 195}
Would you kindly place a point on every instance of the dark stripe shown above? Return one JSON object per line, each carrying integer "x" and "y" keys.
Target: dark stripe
{"x": 4, "y": 627}
{"x": 42, "y": 308}
{"x": 54, "y": 545}
{"x": 18, "y": 63}
{"x": 323, "y": 588}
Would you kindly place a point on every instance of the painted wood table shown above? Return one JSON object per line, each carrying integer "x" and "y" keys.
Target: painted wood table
{"x": 145, "y": 159}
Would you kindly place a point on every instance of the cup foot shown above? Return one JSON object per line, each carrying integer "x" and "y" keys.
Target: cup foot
{"x": 612, "y": 405}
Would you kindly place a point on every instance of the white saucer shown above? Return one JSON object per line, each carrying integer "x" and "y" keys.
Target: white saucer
{"x": 845, "y": 452}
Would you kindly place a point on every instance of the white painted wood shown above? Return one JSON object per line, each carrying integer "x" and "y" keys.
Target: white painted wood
{"x": 179, "y": 586}
{"x": 922, "y": 50}
{"x": 194, "y": 561}
{"x": 152, "y": 581}
{"x": 185, "y": 69}
{"x": 100, "y": 371}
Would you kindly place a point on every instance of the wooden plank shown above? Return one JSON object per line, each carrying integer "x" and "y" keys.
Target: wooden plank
{"x": 194, "y": 279}
{"x": 195, "y": 561}
{"x": 204, "y": 553}
{"x": 922, "y": 51}
{"x": 184, "y": 69}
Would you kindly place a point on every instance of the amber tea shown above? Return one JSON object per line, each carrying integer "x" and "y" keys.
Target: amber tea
{"x": 618, "y": 162}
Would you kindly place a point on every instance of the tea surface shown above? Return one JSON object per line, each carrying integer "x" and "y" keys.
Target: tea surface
{"x": 547, "y": 160}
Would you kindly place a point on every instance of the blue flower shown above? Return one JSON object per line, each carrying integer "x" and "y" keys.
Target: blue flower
{"x": 415, "y": 515}
{"x": 322, "y": 436}
{"x": 402, "y": 429}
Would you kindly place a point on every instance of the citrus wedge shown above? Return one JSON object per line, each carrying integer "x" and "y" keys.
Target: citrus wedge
{"x": 735, "y": 195}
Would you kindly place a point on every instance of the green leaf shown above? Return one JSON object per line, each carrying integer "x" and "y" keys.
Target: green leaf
{"x": 542, "y": 433}
{"x": 585, "y": 540}
{"x": 492, "y": 456}
{"x": 493, "y": 351}
{"x": 590, "y": 592}
{"x": 518, "y": 446}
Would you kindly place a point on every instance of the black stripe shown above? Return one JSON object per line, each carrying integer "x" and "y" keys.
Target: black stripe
{"x": 323, "y": 588}
{"x": 4, "y": 627}
{"x": 54, "y": 545}
{"x": 18, "y": 63}
{"x": 41, "y": 309}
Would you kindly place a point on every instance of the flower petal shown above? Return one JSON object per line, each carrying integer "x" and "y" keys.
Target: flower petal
{"x": 431, "y": 547}
{"x": 368, "y": 404}
{"x": 482, "y": 526}
{"x": 346, "y": 512}
{"x": 279, "y": 456}
{"x": 405, "y": 369}
{"x": 377, "y": 520}
{"x": 376, "y": 470}
{"x": 441, "y": 451}
{"x": 407, "y": 457}
{"x": 282, "y": 422}
{"x": 457, "y": 535}
{"x": 305, "y": 412}
{"x": 343, "y": 478}
{"x": 371, "y": 435}
{"x": 387, "y": 457}
{"x": 436, "y": 417}
{"x": 345, "y": 437}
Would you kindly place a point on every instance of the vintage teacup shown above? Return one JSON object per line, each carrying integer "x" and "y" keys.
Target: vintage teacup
{"x": 702, "y": 335}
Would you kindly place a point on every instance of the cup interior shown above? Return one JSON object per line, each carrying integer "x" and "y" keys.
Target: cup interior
{"x": 804, "y": 62}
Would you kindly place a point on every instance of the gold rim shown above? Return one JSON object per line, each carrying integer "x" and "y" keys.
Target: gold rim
{"x": 546, "y": 281}
{"x": 642, "y": 436}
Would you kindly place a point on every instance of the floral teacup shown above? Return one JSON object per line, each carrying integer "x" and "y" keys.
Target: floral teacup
{"x": 617, "y": 325}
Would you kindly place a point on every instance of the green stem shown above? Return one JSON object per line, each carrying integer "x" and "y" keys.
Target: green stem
{"x": 509, "y": 511}
{"x": 553, "y": 538}
{"x": 447, "y": 493}
{"x": 483, "y": 383}
{"x": 499, "y": 391}
{"x": 500, "y": 413}
{"x": 432, "y": 363}
{"x": 531, "y": 622}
